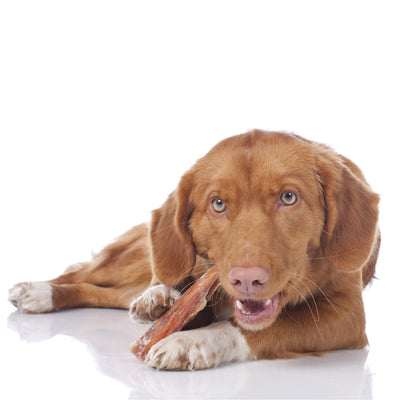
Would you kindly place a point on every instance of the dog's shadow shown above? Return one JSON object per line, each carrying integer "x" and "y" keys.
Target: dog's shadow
{"x": 107, "y": 335}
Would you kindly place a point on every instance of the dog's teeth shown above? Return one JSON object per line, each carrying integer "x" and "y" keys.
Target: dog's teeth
{"x": 267, "y": 303}
{"x": 239, "y": 305}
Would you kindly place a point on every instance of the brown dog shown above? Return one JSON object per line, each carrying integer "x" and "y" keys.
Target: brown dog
{"x": 291, "y": 227}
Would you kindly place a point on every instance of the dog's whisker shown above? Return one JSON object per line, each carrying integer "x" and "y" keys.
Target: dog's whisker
{"x": 309, "y": 307}
{"x": 324, "y": 295}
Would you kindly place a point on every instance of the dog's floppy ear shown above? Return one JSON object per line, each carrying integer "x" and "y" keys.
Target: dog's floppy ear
{"x": 351, "y": 212}
{"x": 173, "y": 253}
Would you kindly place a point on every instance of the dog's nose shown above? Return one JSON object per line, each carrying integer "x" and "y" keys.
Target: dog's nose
{"x": 248, "y": 280}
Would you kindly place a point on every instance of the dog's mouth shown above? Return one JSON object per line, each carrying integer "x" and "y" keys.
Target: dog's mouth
{"x": 253, "y": 312}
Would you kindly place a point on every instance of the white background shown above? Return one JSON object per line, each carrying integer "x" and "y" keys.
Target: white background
{"x": 104, "y": 105}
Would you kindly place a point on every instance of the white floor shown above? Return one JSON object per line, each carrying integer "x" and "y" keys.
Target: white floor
{"x": 83, "y": 354}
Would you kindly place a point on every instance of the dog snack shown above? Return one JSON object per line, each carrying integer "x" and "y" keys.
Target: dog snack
{"x": 183, "y": 311}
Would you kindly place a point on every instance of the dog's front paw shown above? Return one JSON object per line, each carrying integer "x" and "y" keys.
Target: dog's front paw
{"x": 32, "y": 297}
{"x": 153, "y": 303}
{"x": 199, "y": 348}
{"x": 181, "y": 351}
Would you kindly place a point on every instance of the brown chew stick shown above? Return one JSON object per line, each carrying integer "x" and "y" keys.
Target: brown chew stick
{"x": 184, "y": 310}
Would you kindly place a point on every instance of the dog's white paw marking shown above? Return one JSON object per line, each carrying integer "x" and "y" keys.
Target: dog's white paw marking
{"x": 200, "y": 348}
{"x": 32, "y": 297}
{"x": 153, "y": 303}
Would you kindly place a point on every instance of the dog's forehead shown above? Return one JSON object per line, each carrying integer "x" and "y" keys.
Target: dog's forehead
{"x": 259, "y": 157}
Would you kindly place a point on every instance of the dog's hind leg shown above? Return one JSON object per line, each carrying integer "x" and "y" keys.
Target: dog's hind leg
{"x": 121, "y": 271}
{"x": 38, "y": 297}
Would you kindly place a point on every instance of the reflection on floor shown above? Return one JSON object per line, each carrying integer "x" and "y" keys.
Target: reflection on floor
{"x": 106, "y": 334}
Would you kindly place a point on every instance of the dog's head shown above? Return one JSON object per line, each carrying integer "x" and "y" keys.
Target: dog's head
{"x": 273, "y": 212}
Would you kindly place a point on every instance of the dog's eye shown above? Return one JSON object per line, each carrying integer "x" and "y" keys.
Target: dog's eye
{"x": 288, "y": 198}
{"x": 218, "y": 205}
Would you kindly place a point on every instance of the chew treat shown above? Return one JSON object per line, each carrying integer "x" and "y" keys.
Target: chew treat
{"x": 183, "y": 311}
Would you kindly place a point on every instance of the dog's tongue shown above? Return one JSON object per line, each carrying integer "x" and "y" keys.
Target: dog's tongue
{"x": 253, "y": 307}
